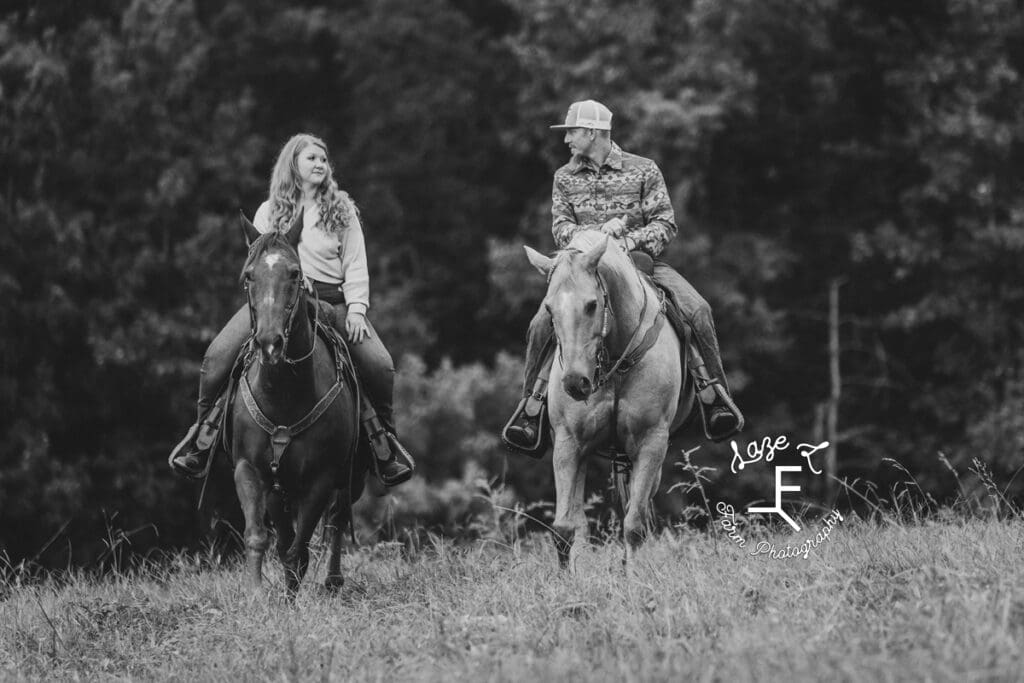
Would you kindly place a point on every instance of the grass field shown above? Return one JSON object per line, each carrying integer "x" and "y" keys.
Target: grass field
{"x": 937, "y": 601}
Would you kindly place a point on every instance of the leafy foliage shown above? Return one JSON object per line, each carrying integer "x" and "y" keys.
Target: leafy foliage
{"x": 877, "y": 143}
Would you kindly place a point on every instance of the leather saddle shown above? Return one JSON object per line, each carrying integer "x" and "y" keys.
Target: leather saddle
{"x": 691, "y": 358}
{"x": 645, "y": 265}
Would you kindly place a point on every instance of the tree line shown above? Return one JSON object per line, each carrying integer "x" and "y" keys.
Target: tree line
{"x": 873, "y": 144}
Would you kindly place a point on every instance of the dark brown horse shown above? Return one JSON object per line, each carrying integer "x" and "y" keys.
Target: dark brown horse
{"x": 294, "y": 418}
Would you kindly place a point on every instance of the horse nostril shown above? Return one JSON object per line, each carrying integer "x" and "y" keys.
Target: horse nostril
{"x": 578, "y": 387}
{"x": 272, "y": 347}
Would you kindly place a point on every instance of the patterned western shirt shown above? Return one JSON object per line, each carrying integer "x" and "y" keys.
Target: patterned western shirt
{"x": 627, "y": 186}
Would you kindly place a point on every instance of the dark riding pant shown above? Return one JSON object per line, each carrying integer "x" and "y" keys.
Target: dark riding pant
{"x": 373, "y": 363}
{"x": 692, "y": 305}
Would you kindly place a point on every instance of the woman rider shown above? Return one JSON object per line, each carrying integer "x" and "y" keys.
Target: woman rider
{"x": 333, "y": 257}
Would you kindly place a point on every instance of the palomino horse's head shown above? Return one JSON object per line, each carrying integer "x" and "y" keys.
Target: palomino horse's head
{"x": 272, "y": 277}
{"x": 578, "y": 303}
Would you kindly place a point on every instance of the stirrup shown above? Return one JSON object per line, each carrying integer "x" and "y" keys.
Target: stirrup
{"x": 726, "y": 402}
{"x": 179, "y": 450}
{"x": 386, "y": 448}
{"x": 400, "y": 455}
{"x": 202, "y": 436}
{"x": 538, "y": 447}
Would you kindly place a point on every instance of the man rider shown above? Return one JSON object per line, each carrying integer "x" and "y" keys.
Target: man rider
{"x": 623, "y": 195}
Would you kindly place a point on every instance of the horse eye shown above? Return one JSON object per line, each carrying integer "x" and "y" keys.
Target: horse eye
{"x": 295, "y": 274}
{"x": 590, "y": 307}
{"x": 247, "y": 275}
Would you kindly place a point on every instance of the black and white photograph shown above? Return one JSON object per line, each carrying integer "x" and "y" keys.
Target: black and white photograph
{"x": 512, "y": 340}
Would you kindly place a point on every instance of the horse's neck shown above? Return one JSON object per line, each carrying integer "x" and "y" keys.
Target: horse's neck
{"x": 626, "y": 298}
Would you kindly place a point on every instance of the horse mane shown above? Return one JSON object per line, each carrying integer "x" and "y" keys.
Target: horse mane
{"x": 613, "y": 262}
{"x": 584, "y": 240}
{"x": 615, "y": 269}
{"x": 261, "y": 245}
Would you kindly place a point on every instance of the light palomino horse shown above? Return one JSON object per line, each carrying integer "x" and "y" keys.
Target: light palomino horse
{"x": 605, "y": 389}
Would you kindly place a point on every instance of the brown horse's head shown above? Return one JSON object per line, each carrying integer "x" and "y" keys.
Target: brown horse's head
{"x": 272, "y": 277}
{"x": 578, "y": 303}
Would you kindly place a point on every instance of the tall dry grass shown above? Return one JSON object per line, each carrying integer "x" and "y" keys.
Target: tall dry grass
{"x": 940, "y": 600}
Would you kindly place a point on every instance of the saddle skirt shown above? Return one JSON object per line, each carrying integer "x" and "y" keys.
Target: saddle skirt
{"x": 683, "y": 332}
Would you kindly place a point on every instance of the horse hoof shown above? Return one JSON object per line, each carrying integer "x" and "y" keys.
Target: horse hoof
{"x": 334, "y": 583}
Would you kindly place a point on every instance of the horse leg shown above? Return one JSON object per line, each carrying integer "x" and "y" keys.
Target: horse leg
{"x": 646, "y": 477}
{"x": 335, "y": 522}
{"x": 307, "y": 515}
{"x": 253, "y": 498}
{"x": 282, "y": 524}
{"x": 570, "y": 476}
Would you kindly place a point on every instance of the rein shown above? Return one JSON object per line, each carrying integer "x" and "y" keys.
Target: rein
{"x": 606, "y": 369}
{"x": 291, "y": 309}
{"x": 628, "y": 359}
{"x": 281, "y": 435}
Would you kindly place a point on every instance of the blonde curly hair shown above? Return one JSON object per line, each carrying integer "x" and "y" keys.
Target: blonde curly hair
{"x": 337, "y": 210}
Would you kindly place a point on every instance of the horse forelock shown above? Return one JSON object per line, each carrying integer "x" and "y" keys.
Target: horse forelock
{"x": 616, "y": 272}
{"x": 266, "y": 242}
{"x": 614, "y": 262}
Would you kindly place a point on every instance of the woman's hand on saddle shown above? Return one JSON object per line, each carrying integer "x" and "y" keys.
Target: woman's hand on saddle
{"x": 356, "y": 327}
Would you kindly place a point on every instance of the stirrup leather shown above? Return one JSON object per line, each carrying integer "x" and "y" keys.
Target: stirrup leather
{"x": 702, "y": 381}
{"x": 209, "y": 430}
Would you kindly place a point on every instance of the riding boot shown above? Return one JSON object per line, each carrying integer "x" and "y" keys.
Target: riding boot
{"x": 189, "y": 458}
{"x": 391, "y": 461}
{"x": 721, "y": 417}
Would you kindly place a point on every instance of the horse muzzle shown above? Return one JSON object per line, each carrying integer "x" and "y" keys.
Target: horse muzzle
{"x": 271, "y": 347}
{"x": 579, "y": 387}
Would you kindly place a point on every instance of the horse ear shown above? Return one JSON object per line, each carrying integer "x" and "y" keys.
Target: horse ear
{"x": 593, "y": 256}
{"x": 295, "y": 232}
{"x": 539, "y": 260}
{"x": 249, "y": 230}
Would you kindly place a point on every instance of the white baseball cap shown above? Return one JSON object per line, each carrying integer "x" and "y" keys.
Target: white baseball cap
{"x": 587, "y": 114}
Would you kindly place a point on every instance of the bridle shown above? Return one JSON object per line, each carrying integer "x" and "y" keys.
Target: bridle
{"x": 281, "y": 435}
{"x": 291, "y": 309}
{"x": 604, "y": 368}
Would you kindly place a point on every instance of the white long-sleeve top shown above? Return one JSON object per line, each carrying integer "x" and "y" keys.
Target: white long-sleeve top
{"x": 334, "y": 258}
